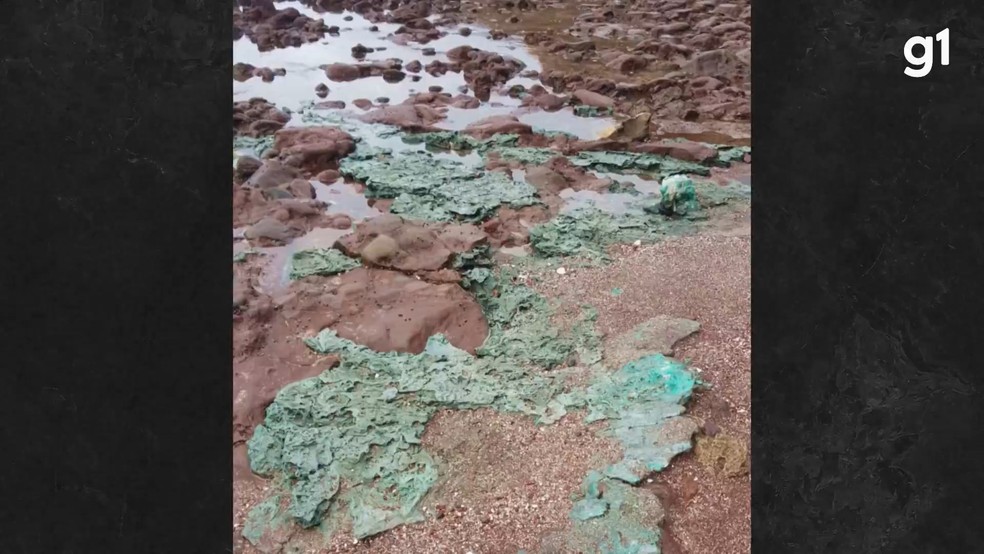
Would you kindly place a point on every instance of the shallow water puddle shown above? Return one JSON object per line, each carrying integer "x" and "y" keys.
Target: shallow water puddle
{"x": 276, "y": 259}
{"x": 586, "y": 128}
{"x": 611, "y": 203}
{"x": 343, "y": 198}
{"x": 645, "y": 184}
{"x": 304, "y": 72}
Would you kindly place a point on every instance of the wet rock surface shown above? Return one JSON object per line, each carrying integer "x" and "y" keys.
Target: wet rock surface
{"x": 268, "y": 27}
{"x": 388, "y": 311}
{"x": 313, "y": 149}
{"x": 244, "y": 72}
{"x": 411, "y": 117}
{"x": 392, "y": 242}
{"x": 257, "y": 117}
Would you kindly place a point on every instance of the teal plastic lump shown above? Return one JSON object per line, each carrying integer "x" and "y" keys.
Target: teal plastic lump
{"x": 642, "y": 404}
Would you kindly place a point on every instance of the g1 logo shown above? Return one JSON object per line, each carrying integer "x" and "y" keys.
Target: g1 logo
{"x": 924, "y": 64}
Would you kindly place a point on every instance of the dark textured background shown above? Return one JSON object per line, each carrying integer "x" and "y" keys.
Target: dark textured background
{"x": 867, "y": 275}
{"x": 115, "y": 378}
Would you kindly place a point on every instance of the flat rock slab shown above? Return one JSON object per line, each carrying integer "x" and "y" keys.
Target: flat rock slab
{"x": 387, "y": 310}
{"x": 391, "y": 242}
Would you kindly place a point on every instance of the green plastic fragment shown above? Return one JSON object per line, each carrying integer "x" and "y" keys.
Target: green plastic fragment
{"x": 588, "y": 508}
{"x": 362, "y": 422}
{"x": 730, "y": 154}
{"x": 437, "y": 190}
{"x": 554, "y": 134}
{"x": 480, "y": 256}
{"x": 250, "y": 146}
{"x": 642, "y": 403}
{"x": 587, "y": 232}
{"x": 520, "y": 326}
{"x": 242, "y": 255}
{"x": 311, "y": 496}
{"x": 712, "y": 194}
{"x": 613, "y": 518}
{"x": 453, "y": 140}
{"x": 361, "y": 131}
{"x": 319, "y": 261}
{"x": 528, "y": 155}
{"x": 348, "y": 441}
{"x": 265, "y": 517}
{"x": 591, "y": 111}
{"x": 606, "y": 161}
{"x": 662, "y": 166}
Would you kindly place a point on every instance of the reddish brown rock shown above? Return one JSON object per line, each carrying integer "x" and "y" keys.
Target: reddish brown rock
{"x": 387, "y": 310}
{"x": 496, "y": 125}
{"x": 256, "y": 117}
{"x": 409, "y": 246}
{"x": 511, "y": 227}
{"x": 629, "y": 63}
{"x": 545, "y": 101}
{"x": 270, "y": 28}
{"x": 330, "y": 105}
{"x": 342, "y": 72}
{"x": 246, "y": 166}
{"x": 271, "y": 174}
{"x": 301, "y": 188}
{"x": 313, "y": 149}
{"x": 681, "y": 150}
{"x": 242, "y": 71}
{"x": 414, "y": 117}
{"x": 593, "y": 99}
{"x": 271, "y": 229}
{"x": 328, "y": 176}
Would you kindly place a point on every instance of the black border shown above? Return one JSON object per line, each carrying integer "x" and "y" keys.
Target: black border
{"x": 116, "y": 388}
{"x": 867, "y": 270}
